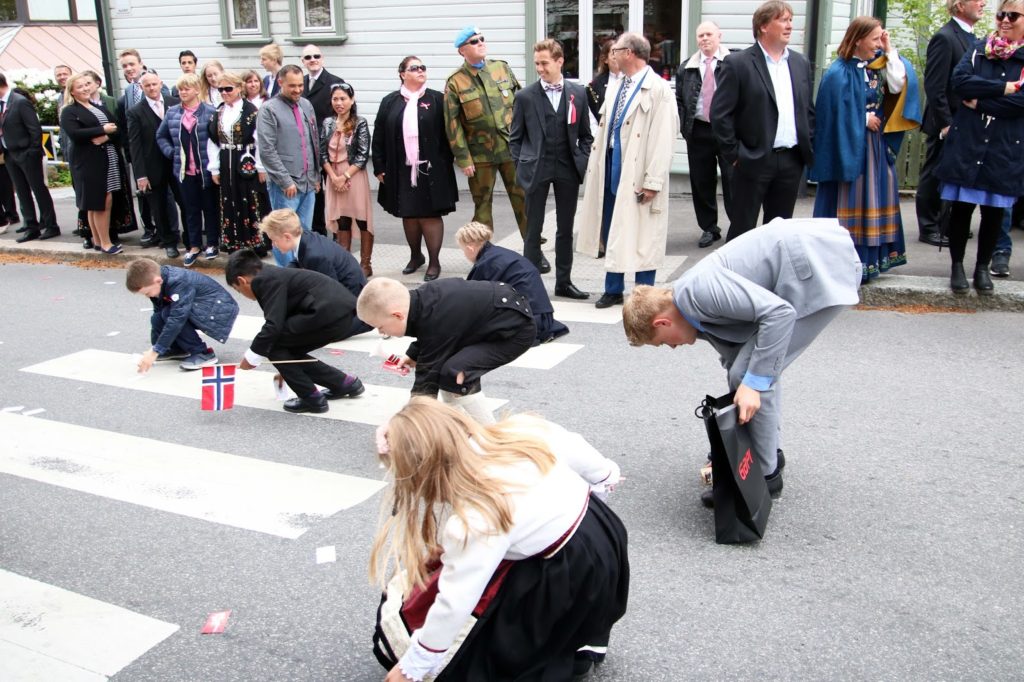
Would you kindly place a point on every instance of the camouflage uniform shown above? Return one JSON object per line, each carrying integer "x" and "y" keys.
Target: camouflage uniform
{"x": 478, "y": 115}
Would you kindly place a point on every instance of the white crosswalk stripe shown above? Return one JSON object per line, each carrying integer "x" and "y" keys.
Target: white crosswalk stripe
{"x": 243, "y": 492}
{"x": 544, "y": 356}
{"x": 48, "y": 633}
{"x": 252, "y": 389}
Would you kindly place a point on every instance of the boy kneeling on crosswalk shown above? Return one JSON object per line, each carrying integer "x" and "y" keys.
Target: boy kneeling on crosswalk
{"x": 183, "y": 301}
{"x": 463, "y": 330}
{"x": 304, "y": 311}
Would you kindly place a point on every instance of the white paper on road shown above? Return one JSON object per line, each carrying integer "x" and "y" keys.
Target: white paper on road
{"x": 252, "y": 388}
{"x": 49, "y": 633}
{"x": 574, "y": 311}
{"x": 31, "y": 413}
{"x": 13, "y": 408}
{"x": 544, "y": 356}
{"x": 242, "y": 492}
{"x": 326, "y": 555}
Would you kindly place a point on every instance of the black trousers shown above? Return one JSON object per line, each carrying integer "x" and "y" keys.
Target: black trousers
{"x": 319, "y": 222}
{"x": 303, "y": 378}
{"x": 932, "y": 212}
{"x": 988, "y": 232}
{"x": 26, "y": 170}
{"x": 773, "y": 189}
{"x": 163, "y": 201}
{"x": 705, "y": 162}
{"x": 8, "y": 209}
{"x": 515, "y": 333}
{"x": 567, "y": 189}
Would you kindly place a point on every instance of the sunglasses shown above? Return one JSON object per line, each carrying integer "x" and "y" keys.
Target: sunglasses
{"x": 474, "y": 41}
{"x": 308, "y": 57}
{"x": 226, "y": 88}
{"x": 1008, "y": 16}
{"x": 344, "y": 87}
{"x": 417, "y": 67}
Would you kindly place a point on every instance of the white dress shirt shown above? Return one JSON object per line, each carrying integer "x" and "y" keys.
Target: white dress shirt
{"x": 785, "y": 133}
{"x": 554, "y": 97}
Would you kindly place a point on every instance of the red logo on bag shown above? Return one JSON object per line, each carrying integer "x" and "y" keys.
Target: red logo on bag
{"x": 744, "y": 467}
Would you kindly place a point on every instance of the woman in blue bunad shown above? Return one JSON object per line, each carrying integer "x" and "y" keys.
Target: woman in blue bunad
{"x": 866, "y": 102}
{"x": 982, "y": 162}
{"x": 508, "y": 564}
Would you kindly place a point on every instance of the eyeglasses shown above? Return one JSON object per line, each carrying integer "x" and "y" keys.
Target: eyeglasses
{"x": 474, "y": 41}
{"x": 226, "y": 88}
{"x": 309, "y": 57}
{"x": 619, "y": 49}
{"x": 1012, "y": 17}
{"x": 417, "y": 67}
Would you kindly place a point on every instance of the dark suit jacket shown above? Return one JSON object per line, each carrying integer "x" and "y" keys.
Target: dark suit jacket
{"x": 299, "y": 305}
{"x": 320, "y": 94}
{"x": 527, "y": 137}
{"x": 744, "y": 115}
{"x": 323, "y": 255}
{"x": 270, "y": 83}
{"x": 150, "y": 163}
{"x": 89, "y": 163}
{"x": 22, "y": 133}
{"x": 945, "y": 50}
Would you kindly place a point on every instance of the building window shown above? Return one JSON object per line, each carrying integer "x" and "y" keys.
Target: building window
{"x": 563, "y": 24}
{"x": 317, "y": 21}
{"x": 662, "y": 21}
{"x": 28, "y": 11}
{"x": 245, "y": 17}
{"x": 244, "y": 22}
{"x": 611, "y": 17}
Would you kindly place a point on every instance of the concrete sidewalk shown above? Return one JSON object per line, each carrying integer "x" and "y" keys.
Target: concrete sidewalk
{"x": 924, "y": 280}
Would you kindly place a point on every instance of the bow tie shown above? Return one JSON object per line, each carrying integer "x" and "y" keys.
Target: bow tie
{"x": 552, "y": 88}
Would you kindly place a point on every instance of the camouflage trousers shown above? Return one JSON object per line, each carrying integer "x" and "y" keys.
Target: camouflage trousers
{"x": 481, "y": 186}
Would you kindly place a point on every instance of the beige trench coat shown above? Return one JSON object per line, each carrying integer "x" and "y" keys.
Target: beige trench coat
{"x": 639, "y": 232}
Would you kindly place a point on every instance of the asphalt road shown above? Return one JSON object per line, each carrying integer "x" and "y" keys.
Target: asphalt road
{"x": 894, "y": 553}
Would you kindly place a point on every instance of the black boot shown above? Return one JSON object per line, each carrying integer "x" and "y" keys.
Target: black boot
{"x": 982, "y": 280}
{"x": 958, "y": 279}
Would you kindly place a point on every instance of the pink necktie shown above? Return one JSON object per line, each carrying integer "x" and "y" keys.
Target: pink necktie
{"x": 302, "y": 136}
{"x": 707, "y": 88}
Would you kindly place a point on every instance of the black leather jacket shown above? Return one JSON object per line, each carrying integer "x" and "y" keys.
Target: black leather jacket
{"x": 358, "y": 146}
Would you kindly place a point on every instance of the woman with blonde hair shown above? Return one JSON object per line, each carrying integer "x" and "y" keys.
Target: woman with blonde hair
{"x": 233, "y": 160}
{"x": 209, "y": 77}
{"x": 493, "y": 263}
{"x": 504, "y": 527}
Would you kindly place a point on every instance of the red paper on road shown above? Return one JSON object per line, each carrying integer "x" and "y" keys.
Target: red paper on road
{"x": 216, "y": 622}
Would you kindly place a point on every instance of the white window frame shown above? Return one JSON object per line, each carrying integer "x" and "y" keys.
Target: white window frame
{"x": 307, "y": 30}
{"x": 243, "y": 32}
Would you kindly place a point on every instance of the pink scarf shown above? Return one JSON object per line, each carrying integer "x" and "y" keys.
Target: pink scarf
{"x": 411, "y": 131}
{"x": 188, "y": 122}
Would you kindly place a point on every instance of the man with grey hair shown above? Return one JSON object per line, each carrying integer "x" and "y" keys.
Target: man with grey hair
{"x": 945, "y": 49}
{"x": 763, "y": 119}
{"x": 695, "y": 89}
{"x": 625, "y": 198}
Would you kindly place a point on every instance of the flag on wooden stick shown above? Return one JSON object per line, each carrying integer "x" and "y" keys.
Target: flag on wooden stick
{"x": 219, "y": 387}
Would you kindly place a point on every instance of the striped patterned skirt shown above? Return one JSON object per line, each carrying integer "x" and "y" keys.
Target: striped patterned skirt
{"x": 869, "y": 207}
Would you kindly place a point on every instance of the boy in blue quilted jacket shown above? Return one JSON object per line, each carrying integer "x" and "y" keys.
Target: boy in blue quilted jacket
{"x": 184, "y": 303}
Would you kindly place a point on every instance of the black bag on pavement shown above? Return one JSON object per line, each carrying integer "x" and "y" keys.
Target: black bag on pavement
{"x": 742, "y": 501}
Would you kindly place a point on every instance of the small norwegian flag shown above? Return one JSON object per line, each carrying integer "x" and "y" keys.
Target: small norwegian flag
{"x": 219, "y": 387}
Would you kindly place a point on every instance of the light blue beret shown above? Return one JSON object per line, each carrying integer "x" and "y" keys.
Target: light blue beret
{"x": 465, "y": 34}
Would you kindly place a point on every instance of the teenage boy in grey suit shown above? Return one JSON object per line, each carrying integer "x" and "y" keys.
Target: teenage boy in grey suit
{"x": 550, "y": 143}
{"x": 760, "y": 300}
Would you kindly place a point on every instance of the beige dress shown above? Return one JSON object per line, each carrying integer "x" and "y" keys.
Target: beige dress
{"x": 354, "y": 203}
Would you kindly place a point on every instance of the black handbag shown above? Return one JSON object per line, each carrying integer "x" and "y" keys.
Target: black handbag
{"x": 742, "y": 500}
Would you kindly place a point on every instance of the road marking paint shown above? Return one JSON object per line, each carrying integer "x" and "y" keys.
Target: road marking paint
{"x": 49, "y": 633}
{"x": 242, "y": 492}
{"x": 374, "y": 407}
{"x": 544, "y": 356}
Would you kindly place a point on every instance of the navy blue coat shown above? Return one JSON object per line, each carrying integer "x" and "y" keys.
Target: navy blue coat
{"x": 317, "y": 252}
{"x": 196, "y": 298}
{"x": 981, "y": 152}
{"x": 168, "y": 137}
{"x": 498, "y": 264}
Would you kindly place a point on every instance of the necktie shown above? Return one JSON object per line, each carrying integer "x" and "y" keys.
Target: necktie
{"x": 158, "y": 107}
{"x": 620, "y": 102}
{"x": 302, "y": 137}
{"x": 553, "y": 88}
{"x": 707, "y": 88}
{"x": 133, "y": 93}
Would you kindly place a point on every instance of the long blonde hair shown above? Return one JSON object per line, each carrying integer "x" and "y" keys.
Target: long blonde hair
{"x": 437, "y": 459}
{"x": 204, "y": 84}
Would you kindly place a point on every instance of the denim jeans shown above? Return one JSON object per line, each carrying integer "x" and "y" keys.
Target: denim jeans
{"x": 188, "y": 338}
{"x": 302, "y": 203}
{"x": 1005, "y": 244}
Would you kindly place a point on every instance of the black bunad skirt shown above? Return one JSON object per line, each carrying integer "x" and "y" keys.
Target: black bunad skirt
{"x": 545, "y": 609}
